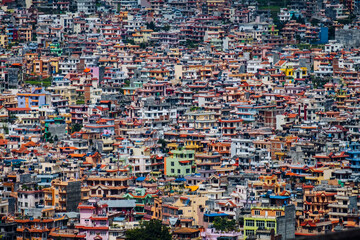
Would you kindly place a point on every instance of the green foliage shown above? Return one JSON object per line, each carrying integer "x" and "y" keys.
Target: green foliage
{"x": 308, "y": 46}
{"x": 46, "y": 82}
{"x": 163, "y": 143}
{"x": 224, "y": 225}
{"x": 194, "y": 108}
{"x": 319, "y": 82}
{"x": 143, "y": 45}
{"x": 47, "y": 136}
{"x": 6, "y": 129}
{"x": 166, "y": 28}
{"x": 130, "y": 41}
{"x": 347, "y": 20}
{"x": 149, "y": 230}
{"x": 314, "y": 22}
{"x": 76, "y": 127}
{"x": 270, "y": 8}
{"x": 298, "y": 19}
{"x": 151, "y": 26}
{"x": 191, "y": 44}
{"x": 331, "y": 33}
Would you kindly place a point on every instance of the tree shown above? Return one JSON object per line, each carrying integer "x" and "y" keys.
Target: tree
{"x": 166, "y": 28}
{"x": 314, "y": 21}
{"x": 76, "y": 127}
{"x": 149, "y": 230}
{"x": 151, "y": 26}
{"x": 163, "y": 143}
{"x": 6, "y": 129}
{"x": 190, "y": 44}
{"x": 224, "y": 225}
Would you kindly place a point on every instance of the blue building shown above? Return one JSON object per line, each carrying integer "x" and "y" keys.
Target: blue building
{"x": 35, "y": 98}
{"x": 354, "y": 157}
{"x": 323, "y": 35}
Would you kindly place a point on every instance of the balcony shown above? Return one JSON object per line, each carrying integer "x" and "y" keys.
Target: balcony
{"x": 147, "y": 207}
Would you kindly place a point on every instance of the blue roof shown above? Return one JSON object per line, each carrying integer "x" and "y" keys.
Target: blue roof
{"x": 180, "y": 180}
{"x": 14, "y": 160}
{"x": 119, "y": 219}
{"x": 140, "y": 179}
{"x": 279, "y": 197}
{"x": 46, "y": 176}
{"x": 216, "y": 214}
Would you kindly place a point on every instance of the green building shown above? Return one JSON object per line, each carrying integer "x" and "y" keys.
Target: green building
{"x": 142, "y": 198}
{"x": 180, "y": 163}
{"x": 55, "y": 48}
{"x": 263, "y": 219}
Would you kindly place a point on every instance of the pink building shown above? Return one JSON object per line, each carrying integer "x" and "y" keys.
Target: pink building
{"x": 212, "y": 234}
{"x": 94, "y": 220}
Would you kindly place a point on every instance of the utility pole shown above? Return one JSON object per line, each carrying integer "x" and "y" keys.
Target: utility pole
{"x": 118, "y": 168}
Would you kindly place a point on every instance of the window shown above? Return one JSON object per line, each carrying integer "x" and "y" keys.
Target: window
{"x": 270, "y": 224}
{"x": 260, "y": 224}
{"x": 172, "y": 164}
{"x": 278, "y": 213}
{"x": 249, "y": 223}
{"x": 249, "y": 232}
{"x": 257, "y": 212}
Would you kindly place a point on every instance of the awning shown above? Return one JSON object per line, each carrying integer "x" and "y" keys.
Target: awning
{"x": 184, "y": 162}
{"x": 279, "y": 197}
{"x": 193, "y": 188}
{"x": 140, "y": 179}
{"x": 180, "y": 180}
{"x": 216, "y": 214}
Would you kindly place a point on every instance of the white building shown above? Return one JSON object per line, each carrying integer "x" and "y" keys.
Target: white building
{"x": 29, "y": 200}
{"x": 86, "y": 6}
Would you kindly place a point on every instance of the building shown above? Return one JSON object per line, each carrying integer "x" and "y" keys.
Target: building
{"x": 180, "y": 163}
{"x": 262, "y": 219}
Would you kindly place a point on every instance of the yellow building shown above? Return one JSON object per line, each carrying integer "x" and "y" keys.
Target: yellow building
{"x": 202, "y": 120}
{"x": 294, "y": 72}
{"x": 193, "y": 145}
{"x": 189, "y": 205}
{"x": 45, "y": 66}
{"x": 214, "y": 6}
{"x": 60, "y": 192}
{"x": 3, "y": 40}
{"x": 25, "y": 34}
{"x": 67, "y": 92}
{"x": 142, "y": 35}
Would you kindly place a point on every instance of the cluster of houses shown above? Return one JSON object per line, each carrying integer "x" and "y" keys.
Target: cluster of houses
{"x": 114, "y": 112}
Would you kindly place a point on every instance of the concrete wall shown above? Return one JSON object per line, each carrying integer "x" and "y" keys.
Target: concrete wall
{"x": 73, "y": 196}
{"x": 348, "y": 37}
{"x": 286, "y": 224}
{"x": 343, "y": 235}
{"x": 13, "y": 77}
{"x": 58, "y": 130}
